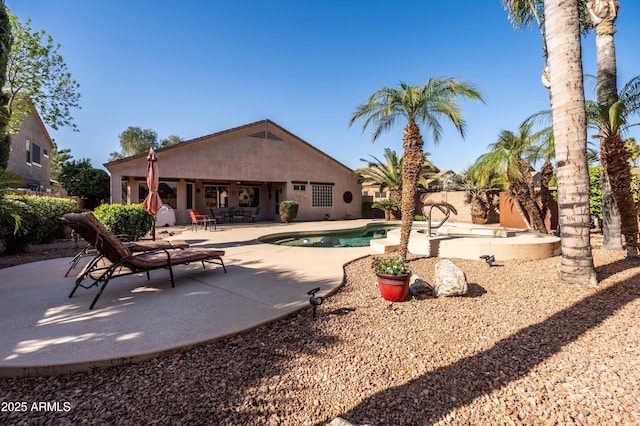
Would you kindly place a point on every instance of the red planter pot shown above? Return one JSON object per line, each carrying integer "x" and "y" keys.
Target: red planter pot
{"x": 394, "y": 288}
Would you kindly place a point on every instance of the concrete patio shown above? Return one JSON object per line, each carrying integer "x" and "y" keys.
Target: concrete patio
{"x": 47, "y": 333}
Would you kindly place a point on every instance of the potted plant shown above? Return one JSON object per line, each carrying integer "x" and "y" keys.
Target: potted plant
{"x": 393, "y": 278}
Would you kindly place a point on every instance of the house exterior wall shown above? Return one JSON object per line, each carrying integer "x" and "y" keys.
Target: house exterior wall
{"x": 262, "y": 155}
{"x": 37, "y": 171}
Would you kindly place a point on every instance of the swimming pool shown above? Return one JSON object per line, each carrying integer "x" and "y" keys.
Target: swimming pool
{"x": 358, "y": 237}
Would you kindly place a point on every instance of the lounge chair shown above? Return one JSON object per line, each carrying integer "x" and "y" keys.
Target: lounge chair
{"x": 123, "y": 261}
{"x": 201, "y": 219}
{"x": 134, "y": 246}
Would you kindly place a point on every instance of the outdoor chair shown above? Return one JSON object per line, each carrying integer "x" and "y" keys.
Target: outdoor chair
{"x": 122, "y": 261}
{"x": 254, "y": 216}
{"x": 137, "y": 246}
{"x": 201, "y": 219}
{"x": 217, "y": 215}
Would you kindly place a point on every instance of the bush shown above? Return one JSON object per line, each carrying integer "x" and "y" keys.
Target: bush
{"x": 39, "y": 217}
{"x": 132, "y": 221}
{"x": 419, "y": 218}
{"x": 288, "y": 211}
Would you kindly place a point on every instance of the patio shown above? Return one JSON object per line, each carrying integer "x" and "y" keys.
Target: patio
{"x": 45, "y": 332}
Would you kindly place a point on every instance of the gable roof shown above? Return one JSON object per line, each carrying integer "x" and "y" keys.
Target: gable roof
{"x": 261, "y": 131}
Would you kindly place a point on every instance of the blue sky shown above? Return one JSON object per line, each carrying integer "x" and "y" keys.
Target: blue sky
{"x": 198, "y": 67}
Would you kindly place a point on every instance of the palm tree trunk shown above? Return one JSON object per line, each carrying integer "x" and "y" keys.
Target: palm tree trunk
{"x": 412, "y": 161}
{"x": 546, "y": 173}
{"x": 570, "y": 135}
{"x": 616, "y": 169}
{"x": 525, "y": 195}
{"x": 395, "y": 195}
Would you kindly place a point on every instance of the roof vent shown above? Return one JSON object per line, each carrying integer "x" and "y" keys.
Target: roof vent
{"x": 265, "y": 135}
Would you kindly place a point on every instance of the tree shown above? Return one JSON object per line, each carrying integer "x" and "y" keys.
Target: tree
{"x": 508, "y": 156}
{"x": 5, "y": 49}
{"x": 478, "y": 189}
{"x": 603, "y": 15}
{"x": 134, "y": 141}
{"x": 425, "y": 104}
{"x": 612, "y": 121}
{"x": 562, "y": 20}
{"x": 387, "y": 174}
{"x": 82, "y": 180}
{"x": 170, "y": 140}
{"x": 58, "y": 158}
{"x": 37, "y": 76}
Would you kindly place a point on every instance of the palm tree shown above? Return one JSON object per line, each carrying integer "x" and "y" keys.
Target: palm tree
{"x": 570, "y": 137}
{"x": 509, "y": 157}
{"x": 387, "y": 174}
{"x": 603, "y": 16}
{"x": 477, "y": 187}
{"x": 425, "y": 104}
{"x": 612, "y": 121}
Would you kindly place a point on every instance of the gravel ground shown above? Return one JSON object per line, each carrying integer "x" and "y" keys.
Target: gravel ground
{"x": 519, "y": 349}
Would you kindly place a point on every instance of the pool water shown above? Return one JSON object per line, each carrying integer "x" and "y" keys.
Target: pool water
{"x": 332, "y": 239}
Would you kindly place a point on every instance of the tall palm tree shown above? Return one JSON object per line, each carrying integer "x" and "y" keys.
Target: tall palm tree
{"x": 425, "y": 104}
{"x": 387, "y": 174}
{"x": 616, "y": 171}
{"x": 612, "y": 121}
{"x": 570, "y": 137}
{"x": 509, "y": 157}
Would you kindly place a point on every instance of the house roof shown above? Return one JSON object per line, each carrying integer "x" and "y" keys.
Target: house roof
{"x": 259, "y": 125}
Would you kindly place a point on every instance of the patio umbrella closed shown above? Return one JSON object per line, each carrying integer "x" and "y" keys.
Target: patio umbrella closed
{"x": 152, "y": 201}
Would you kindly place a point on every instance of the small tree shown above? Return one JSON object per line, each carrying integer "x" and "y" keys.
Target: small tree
{"x": 84, "y": 181}
{"x": 388, "y": 206}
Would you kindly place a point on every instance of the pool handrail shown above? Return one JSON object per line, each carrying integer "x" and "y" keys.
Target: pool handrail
{"x": 446, "y": 213}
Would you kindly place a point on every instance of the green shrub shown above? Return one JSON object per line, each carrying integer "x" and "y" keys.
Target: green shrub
{"x": 288, "y": 211}
{"x": 132, "y": 221}
{"x": 28, "y": 219}
{"x": 419, "y": 218}
{"x": 47, "y": 211}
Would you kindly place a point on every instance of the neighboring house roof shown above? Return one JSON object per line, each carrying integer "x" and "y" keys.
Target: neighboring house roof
{"x": 259, "y": 125}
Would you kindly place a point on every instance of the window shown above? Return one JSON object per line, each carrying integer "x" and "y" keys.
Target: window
{"x": 167, "y": 191}
{"x": 45, "y": 153}
{"x": 35, "y": 154}
{"x": 189, "y": 195}
{"x": 322, "y": 195}
{"x": 248, "y": 196}
{"x": 299, "y": 187}
{"x": 381, "y": 195}
{"x": 216, "y": 196}
{"x": 27, "y": 148}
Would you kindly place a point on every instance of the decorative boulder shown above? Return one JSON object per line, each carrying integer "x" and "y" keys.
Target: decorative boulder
{"x": 449, "y": 280}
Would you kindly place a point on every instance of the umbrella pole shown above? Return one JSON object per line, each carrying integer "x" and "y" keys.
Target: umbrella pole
{"x": 153, "y": 226}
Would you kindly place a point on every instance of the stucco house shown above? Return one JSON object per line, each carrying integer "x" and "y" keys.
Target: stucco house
{"x": 256, "y": 165}
{"x": 29, "y": 155}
